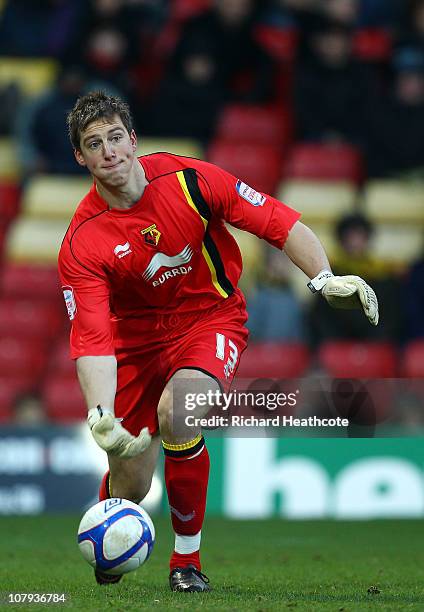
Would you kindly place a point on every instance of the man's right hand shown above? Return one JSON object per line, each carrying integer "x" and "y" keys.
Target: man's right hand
{"x": 112, "y": 437}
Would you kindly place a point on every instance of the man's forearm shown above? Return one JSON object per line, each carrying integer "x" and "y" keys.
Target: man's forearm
{"x": 97, "y": 377}
{"x": 306, "y": 251}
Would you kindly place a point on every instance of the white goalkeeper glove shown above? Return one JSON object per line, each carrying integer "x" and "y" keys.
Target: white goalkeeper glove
{"x": 112, "y": 437}
{"x": 346, "y": 292}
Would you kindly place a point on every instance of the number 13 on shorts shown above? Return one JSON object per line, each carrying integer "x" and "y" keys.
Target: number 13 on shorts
{"x": 221, "y": 345}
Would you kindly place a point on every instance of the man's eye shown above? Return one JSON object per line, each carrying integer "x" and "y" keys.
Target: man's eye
{"x": 93, "y": 145}
{"x": 116, "y": 138}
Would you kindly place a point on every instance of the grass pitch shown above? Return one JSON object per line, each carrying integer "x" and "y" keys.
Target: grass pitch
{"x": 270, "y": 565}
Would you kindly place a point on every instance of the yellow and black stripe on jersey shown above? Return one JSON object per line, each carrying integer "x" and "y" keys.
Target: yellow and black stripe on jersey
{"x": 190, "y": 186}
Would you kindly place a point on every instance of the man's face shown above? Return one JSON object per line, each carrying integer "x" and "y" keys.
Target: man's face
{"x": 233, "y": 12}
{"x": 107, "y": 150}
{"x": 356, "y": 242}
{"x": 333, "y": 48}
{"x": 410, "y": 88}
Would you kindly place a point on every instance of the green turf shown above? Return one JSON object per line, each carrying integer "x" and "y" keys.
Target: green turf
{"x": 271, "y": 565}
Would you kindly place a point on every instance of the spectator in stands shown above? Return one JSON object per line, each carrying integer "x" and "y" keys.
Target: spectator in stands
{"x": 105, "y": 44}
{"x": 106, "y": 58}
{"x": 414, "y": 300}
{"x": 358, "y": 13}
{"x": 28, "y": 411}
{"x": 274, "y": 310}
{"x": 216, "y": 60}
{"x": 394, "y": 126}
{"x": 354, "y": 256}
{"x": 109, "y": 41}
{"x": 306, "y": 11}
{"x": 188, "y": 99}
{"x": 289, "y": 13}
{"x": 42, "y": 142}
{"x": 40, "y": 28}
{"x": 412, "y": 31}
{"x": 379, "y": 13}
{"x": 42, "y": 146}
{"x": 344, "y": 12}
{"x": 10, "y": 100}
{"x": 362, "y": 13}
{"x": 102, "y": 15}
{"x": 331, "y": 89}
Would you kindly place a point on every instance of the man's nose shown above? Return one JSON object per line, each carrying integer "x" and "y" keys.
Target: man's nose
{"x": 108, "y": 150}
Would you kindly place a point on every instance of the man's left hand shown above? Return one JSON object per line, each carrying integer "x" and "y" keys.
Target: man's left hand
{"x": 351, "y": 292}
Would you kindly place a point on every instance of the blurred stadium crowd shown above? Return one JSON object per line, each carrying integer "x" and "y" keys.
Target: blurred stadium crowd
{"x": 319, "y": 102}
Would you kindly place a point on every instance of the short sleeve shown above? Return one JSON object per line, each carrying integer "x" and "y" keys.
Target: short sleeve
{"x": 245, "y": 208}
{"x": 86, "y": 293}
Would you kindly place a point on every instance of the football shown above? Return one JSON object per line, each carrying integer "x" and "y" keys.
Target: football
{"x": 116, "y": 536}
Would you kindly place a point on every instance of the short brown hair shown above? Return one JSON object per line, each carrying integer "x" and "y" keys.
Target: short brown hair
{"x": 96, "y": 105}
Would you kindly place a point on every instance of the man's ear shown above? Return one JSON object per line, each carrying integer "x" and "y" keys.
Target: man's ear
{"x": 79, "y": 157}
{"x": 133, "y": 138}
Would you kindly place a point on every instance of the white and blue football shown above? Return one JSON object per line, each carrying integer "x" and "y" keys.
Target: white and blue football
{"x": 116, "y": 536}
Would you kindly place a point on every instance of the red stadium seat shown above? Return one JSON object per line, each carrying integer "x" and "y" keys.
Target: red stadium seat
{"x": 29, "y": 318}
{"x": 413, "y": 360}
{"x": 6, "y": 412}
{"x": 22, "y": 359}
{"x": 274, "y": 360}
{"x": 60, "y": 363}
{"x": 257, "y": 165}
{"x": 2, "y": 237}
{"x": 23, "y": 280}
{"x": 8, "y": 393}
{"x": 9, "y": 200}
{"x": 372, "y": 45}
{"x": 412, "y": 368}
{"x": 280, "y": 43}
{"x": 11, "y": 387}
{"x": 315, "y": 161}
{"x": 345, "y": 359}
{"x": 63, "y": 400}
{"x": 255, "y": 125}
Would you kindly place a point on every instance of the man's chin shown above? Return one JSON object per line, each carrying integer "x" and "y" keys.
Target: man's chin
{"x": 115, "y": 179}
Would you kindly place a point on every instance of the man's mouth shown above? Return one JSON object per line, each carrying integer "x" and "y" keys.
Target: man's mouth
{"x": 111, "y": 166}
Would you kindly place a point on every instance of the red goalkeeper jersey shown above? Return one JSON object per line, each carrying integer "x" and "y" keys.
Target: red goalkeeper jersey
{"x": 169, "y": 253}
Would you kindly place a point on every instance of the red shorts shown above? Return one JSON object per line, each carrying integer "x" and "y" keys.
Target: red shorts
{"x": 211, "y": 341}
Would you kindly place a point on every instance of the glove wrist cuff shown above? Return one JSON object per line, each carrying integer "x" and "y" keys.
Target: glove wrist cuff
{"x": 317, "y": 283}
{"x": 103, "y": 409}
{"x": 95, "y": 414}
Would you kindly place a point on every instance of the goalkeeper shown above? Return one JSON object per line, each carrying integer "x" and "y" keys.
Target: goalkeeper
{"x": 149, "y": 275}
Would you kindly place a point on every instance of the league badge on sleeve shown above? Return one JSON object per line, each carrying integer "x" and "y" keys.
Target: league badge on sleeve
{"x": 249, "y": 194}
{"x": 71, "y": 305}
